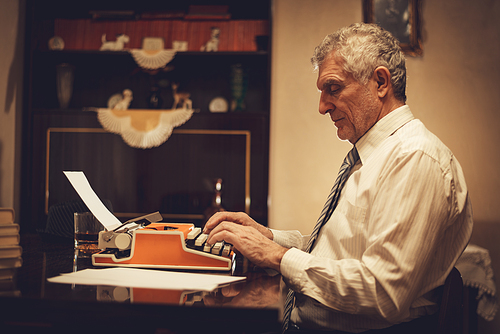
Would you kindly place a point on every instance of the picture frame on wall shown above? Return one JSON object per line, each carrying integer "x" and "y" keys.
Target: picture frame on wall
{"x": 400, "y": 17}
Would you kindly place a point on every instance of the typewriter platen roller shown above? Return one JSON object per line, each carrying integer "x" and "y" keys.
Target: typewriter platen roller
{"x": 162, "y": 245}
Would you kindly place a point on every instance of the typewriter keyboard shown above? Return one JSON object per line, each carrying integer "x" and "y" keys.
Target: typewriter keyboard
{"x": 197, "y": 240}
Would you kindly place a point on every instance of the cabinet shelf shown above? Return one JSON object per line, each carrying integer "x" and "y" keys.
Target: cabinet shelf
{"x": 82, "y": 9}
{"x": 100, "y": 74}
{"x": 54, "y": 112}
{"x": 178, "y": 54}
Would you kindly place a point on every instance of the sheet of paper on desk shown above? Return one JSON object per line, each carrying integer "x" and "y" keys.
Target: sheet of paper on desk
{"x": 146, "y": 278}
{"x": 89, "y": 197}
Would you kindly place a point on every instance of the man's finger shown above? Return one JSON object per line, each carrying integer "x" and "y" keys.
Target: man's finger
{"x": 224, "y": 231}
{"x": 216, "y": 219}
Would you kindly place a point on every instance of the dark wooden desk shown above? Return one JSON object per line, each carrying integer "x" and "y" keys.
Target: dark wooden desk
{"x": 249, "y": 307}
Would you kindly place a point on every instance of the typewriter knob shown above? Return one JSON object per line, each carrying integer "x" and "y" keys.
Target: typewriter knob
{"x": 122, "y": 241}
{"x": 121, "y": 294}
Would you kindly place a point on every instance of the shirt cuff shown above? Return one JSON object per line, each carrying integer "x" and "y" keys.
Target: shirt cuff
{"x": 293, "y": 267}
{"x": 287, "y": 239}
{"x": 278, "y": 237}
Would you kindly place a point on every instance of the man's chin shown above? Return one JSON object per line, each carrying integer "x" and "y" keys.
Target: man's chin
{"x": 341, "y": 134}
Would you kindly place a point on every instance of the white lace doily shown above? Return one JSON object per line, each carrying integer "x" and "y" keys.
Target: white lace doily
{"x": 152, "y": 60}
{"x": 156, "y": 125}
{"x": 476, "y": 270}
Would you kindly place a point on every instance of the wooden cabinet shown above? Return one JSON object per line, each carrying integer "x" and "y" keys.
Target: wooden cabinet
{"x": 176, "y": 177}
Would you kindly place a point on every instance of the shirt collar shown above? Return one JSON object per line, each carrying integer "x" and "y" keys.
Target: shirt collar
{"x": 384, "y": 128}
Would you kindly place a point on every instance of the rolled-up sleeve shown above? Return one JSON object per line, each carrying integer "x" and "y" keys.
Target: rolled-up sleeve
{"x": 290, "y": 239}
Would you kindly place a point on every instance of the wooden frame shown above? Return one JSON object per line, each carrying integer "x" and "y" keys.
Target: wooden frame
{"x": 400, "y": 17}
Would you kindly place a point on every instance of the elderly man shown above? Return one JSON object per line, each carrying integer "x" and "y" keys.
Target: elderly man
{"x": 398, "y": 216}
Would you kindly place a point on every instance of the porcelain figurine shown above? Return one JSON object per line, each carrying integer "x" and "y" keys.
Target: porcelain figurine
{"x": 213, "y": 42}
{"x": 117, "y": 45}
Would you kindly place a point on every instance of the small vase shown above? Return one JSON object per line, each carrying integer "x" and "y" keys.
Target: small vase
{"x": 65, "y": 76}
{"x": 239, "y": 84}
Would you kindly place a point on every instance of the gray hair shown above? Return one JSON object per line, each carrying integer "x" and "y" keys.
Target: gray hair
{"x": 363, "y": 47}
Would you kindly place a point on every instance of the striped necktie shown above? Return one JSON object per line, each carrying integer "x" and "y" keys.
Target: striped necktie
{"x": 330, "y": 205}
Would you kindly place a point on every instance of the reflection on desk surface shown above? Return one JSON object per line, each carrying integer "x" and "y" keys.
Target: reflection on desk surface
{"x": 151, "y": 296}
{"x": 258, "y": 296}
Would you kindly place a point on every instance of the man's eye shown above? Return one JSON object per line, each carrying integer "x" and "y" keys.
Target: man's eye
{"x": 333, "y": 89}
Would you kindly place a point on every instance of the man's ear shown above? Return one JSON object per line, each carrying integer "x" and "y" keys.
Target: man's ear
{"x": 383, "y": 78}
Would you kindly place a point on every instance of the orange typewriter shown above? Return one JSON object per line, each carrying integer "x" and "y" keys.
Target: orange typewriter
{"x": 161, "y": 245}
{"x": 144, "y": 242}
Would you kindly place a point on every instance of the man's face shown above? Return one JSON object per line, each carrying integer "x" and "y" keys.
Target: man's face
{"x": 354, "y": 108}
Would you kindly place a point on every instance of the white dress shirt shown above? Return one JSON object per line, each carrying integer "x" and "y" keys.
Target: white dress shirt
{"x": 402, "y": 220}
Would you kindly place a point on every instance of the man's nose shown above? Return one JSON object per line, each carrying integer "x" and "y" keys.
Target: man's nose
{"x": 325, "y": 105}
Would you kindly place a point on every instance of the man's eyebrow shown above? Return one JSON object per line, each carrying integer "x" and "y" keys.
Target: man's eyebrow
{"x": 330, "y": 82}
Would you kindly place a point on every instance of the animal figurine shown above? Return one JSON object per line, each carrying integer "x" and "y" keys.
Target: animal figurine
{"x": 125, "y": 101}
{"x": 114, "y": 45}
{"x": 213, "y": 42}
{"x": 180, "y": 98}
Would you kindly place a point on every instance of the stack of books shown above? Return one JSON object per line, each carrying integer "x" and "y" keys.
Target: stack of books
{"x": 10, "y": 251}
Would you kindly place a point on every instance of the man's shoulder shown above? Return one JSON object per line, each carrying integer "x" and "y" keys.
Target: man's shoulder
{"x": 415, "y": 137}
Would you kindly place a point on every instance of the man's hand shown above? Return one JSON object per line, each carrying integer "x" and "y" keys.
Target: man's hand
{"x": 240, "y": 218}
{"x": 251, "y": 239}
